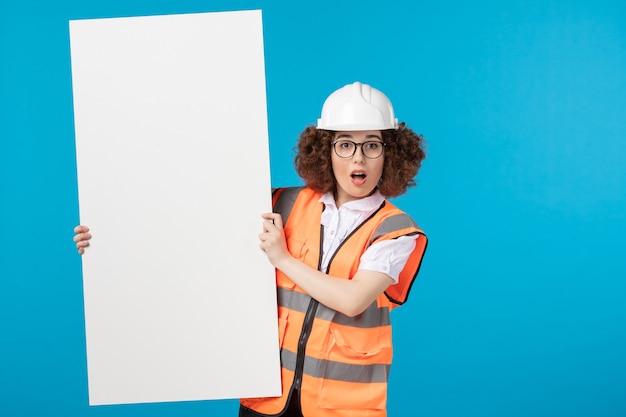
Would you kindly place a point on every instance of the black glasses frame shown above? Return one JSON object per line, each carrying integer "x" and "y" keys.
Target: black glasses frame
{"x": 356, "y": 145}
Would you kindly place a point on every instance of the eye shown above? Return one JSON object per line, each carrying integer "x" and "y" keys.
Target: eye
{"x": 372, "y": 145}
{"x": 344, "y": 144}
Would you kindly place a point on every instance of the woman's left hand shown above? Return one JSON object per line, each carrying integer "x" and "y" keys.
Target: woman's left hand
{"x": 273, "y": 239}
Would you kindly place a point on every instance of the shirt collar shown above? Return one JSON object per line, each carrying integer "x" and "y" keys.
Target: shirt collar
{"x": 368, "y": 203}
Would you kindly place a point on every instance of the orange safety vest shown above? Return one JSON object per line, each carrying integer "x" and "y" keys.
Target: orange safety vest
{"x": 340, "y": 364}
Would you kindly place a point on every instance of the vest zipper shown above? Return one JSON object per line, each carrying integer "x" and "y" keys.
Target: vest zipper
{"x": 312, "y": 309}
{"x": 345, "y": 239}
{"x": 309, "y": 317}
{"x": 302, "y": 342}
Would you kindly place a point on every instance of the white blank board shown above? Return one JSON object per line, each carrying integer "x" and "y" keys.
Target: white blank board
{"x": 173, "y": 176}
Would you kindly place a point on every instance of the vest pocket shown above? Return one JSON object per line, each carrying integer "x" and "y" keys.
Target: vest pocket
{"x": 354, "y": 373}
{"x": 298, "y": 248}
{"x": 358, "y": 344}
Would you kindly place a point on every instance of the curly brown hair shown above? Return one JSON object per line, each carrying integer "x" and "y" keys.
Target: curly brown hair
{"x": 404, "y": 153}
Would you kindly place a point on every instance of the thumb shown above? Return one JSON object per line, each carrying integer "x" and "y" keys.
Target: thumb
{"x": 278, "y": 221}
{"x": 276, "y": 218}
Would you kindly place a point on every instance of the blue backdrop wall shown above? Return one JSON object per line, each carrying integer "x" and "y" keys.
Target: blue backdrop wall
{"x": 519, "y": 309}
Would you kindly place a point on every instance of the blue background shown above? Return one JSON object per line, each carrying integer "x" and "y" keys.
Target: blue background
{"x": 520, "y": 307}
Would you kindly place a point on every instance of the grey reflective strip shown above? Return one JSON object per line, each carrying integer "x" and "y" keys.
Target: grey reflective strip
{"x": 285, "y": 201}
{"x": 288, "y": 359}
{"x": 371, "y": 317}
{"x": 293, "y": 300}
{"x": 321, "y": 368}
{"x": 392, "y": 224}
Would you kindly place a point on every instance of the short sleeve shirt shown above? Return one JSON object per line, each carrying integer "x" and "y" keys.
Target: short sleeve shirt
{"x": 388, "y": 256}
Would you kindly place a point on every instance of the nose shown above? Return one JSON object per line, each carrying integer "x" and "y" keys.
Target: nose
{"x": 359, "y": 155}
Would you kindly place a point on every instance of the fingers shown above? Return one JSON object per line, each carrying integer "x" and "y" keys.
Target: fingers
{"x": 81, "y": 245}
{"x": 81, "y": 238}
{"x": 272, "y": 231}
{"x": 275, "y": 218}
{"x": 80, "y": 229}
{"x": 273, "y": 239}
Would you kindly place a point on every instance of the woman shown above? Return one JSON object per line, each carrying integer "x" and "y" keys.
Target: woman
{"x": 344, "y": 257}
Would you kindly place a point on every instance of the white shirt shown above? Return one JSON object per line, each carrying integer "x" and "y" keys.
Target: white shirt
{"x": 388, "y": 256}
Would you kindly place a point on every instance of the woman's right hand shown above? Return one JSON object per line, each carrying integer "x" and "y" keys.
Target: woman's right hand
{"x": 81, "y": 238}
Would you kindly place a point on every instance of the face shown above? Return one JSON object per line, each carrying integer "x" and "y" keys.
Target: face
{"x": 357, "y": 176}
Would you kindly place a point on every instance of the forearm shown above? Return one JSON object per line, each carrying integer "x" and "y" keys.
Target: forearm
{"x": 350, "y": 297}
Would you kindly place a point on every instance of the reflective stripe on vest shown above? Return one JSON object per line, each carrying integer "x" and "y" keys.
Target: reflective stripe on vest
{"x": 340, "y": 364}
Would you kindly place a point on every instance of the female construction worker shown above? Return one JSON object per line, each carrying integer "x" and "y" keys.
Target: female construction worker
{"x": 344, "y": 257}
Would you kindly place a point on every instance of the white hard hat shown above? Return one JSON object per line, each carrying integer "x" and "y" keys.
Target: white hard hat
{"x": 357, "y": 106}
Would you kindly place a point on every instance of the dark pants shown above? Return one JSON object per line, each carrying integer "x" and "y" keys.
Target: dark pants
{"x": 293, "y": 408}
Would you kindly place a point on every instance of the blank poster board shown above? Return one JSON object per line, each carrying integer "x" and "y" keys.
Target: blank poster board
{"x": 173, "y": 176}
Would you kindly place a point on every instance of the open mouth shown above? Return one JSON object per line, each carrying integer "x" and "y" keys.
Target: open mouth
{"x": 358, "y": 177}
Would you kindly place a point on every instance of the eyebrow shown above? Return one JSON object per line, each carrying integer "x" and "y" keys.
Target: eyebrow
{"x": 345, "y": 135}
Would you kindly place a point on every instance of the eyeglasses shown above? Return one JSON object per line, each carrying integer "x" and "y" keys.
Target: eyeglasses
{"x": 347, "y": 148}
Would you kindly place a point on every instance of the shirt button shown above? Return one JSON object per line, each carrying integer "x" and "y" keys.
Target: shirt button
{"x": 332, "y": 232}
